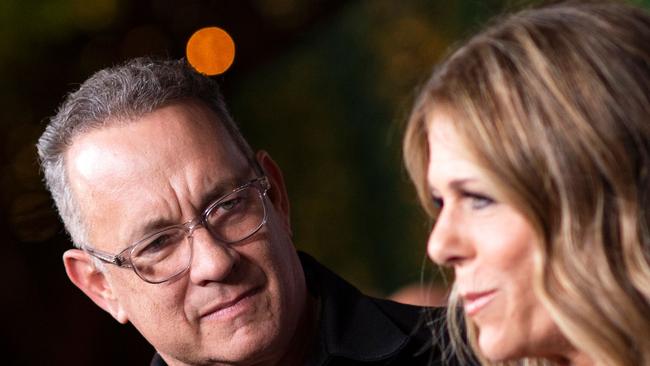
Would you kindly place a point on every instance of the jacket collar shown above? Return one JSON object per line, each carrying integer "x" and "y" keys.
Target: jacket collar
{"x": 351, "y": 325}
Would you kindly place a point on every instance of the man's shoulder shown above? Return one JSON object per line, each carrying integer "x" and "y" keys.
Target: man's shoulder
{"x": 358, "y": 328}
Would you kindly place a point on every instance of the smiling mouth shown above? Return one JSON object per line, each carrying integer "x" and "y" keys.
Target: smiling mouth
{"x": 473, "y": 302}
{"x": 233, "y": 307}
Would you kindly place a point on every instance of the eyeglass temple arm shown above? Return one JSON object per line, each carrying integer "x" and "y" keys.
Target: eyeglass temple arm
{"x": 257, "y": 167}
{"x": 105, "y": 257}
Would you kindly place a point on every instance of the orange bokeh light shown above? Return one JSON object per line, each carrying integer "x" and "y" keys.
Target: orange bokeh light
{"x": 210, "y": 51}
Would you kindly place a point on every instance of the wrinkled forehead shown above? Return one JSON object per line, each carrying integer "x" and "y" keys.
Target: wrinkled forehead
{"x": 168, "y": 135}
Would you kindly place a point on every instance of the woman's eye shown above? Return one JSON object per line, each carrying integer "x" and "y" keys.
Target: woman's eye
{"x": 478, "y": 201}
{"x": 437, "y": 202}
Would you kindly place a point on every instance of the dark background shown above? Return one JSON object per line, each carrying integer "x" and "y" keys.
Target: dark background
{"x": 324, "y": 85}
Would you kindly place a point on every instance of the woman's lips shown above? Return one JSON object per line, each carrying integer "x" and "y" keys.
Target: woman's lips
{"x": 473, "y": 302}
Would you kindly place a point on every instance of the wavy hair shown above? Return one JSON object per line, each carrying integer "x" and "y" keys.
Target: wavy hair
{"x": 554, "y": 103}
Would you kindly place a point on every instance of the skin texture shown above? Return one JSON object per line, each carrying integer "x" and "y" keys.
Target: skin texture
{"x": 166, "y": 166}
{"x": 492, "y": 249}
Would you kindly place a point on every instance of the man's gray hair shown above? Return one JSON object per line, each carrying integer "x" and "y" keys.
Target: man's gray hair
{"x": 117, "y": 95}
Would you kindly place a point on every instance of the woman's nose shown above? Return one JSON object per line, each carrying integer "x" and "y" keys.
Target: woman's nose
{"x": 447, "y": 244}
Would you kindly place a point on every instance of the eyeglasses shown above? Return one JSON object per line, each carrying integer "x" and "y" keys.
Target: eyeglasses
{"x": 167, "y": 254}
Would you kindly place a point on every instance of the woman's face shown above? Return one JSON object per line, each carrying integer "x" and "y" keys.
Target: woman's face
{"x": 491, "y": 248}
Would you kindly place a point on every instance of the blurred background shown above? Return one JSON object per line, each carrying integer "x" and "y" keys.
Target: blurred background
{"x": 324, "y": 85}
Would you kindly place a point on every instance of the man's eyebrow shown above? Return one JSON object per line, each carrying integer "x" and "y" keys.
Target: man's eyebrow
{"x": 149, "y": 226}
{"x": 219, "y": 190}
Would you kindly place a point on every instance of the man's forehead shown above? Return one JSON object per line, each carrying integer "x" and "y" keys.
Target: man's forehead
{"x": 183, "y": 127}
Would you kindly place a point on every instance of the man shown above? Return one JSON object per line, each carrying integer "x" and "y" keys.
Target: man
{"x": 183, "y": 231}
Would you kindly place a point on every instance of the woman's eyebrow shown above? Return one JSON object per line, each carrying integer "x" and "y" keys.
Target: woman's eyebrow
{"x": 459, "y": 184}
{"x": 455, "y": 185}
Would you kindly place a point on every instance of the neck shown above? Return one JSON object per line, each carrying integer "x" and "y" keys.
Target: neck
{"x": 303, "y": 340}
{"x": 564, "y": 353}
{"x": 581, "y": 359}
{"x": 574, "y": 358}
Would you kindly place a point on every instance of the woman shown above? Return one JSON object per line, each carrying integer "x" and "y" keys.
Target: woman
{"x": 530, "y": 146}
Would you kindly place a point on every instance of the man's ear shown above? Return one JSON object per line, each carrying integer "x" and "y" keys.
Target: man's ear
{"x": 82, "y": 272}
{"x": 278, "y": 192}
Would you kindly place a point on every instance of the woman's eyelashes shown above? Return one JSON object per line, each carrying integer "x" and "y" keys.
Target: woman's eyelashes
{"x": 476, "y": 201}
{"x": 437, "y": 201}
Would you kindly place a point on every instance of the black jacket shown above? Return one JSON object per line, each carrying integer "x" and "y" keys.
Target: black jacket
{"x": 356, "y": 329}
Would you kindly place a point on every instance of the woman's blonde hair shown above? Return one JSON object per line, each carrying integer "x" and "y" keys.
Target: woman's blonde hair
{"x": 554, "y": 102}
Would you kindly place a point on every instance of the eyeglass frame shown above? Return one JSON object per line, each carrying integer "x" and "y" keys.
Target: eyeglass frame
{"x": 123, "y": 258}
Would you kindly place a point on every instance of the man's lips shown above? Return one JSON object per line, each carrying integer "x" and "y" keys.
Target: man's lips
{"x": 225, "y": 307}
{"x": 473, "y": 302}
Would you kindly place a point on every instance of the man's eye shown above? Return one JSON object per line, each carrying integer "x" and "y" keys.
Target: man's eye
{"x": 158, "y": 244}
{"x": 230, "y": 204}
{"x": 162, "y": 242}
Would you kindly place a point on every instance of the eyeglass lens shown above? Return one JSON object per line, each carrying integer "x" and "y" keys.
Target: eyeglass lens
{"x": 233, "y": 218}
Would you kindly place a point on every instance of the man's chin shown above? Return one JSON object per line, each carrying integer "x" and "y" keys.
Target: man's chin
{"x": 240, "y": 351}
{"x": 252, "y": 341}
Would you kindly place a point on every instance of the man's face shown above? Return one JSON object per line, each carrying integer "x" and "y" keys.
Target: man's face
{"x": 235, "y": 303}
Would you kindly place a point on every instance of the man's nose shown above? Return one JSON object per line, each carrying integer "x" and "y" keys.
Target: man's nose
{"x": 212, "y": 260}
{"x": 447, "y": 245}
